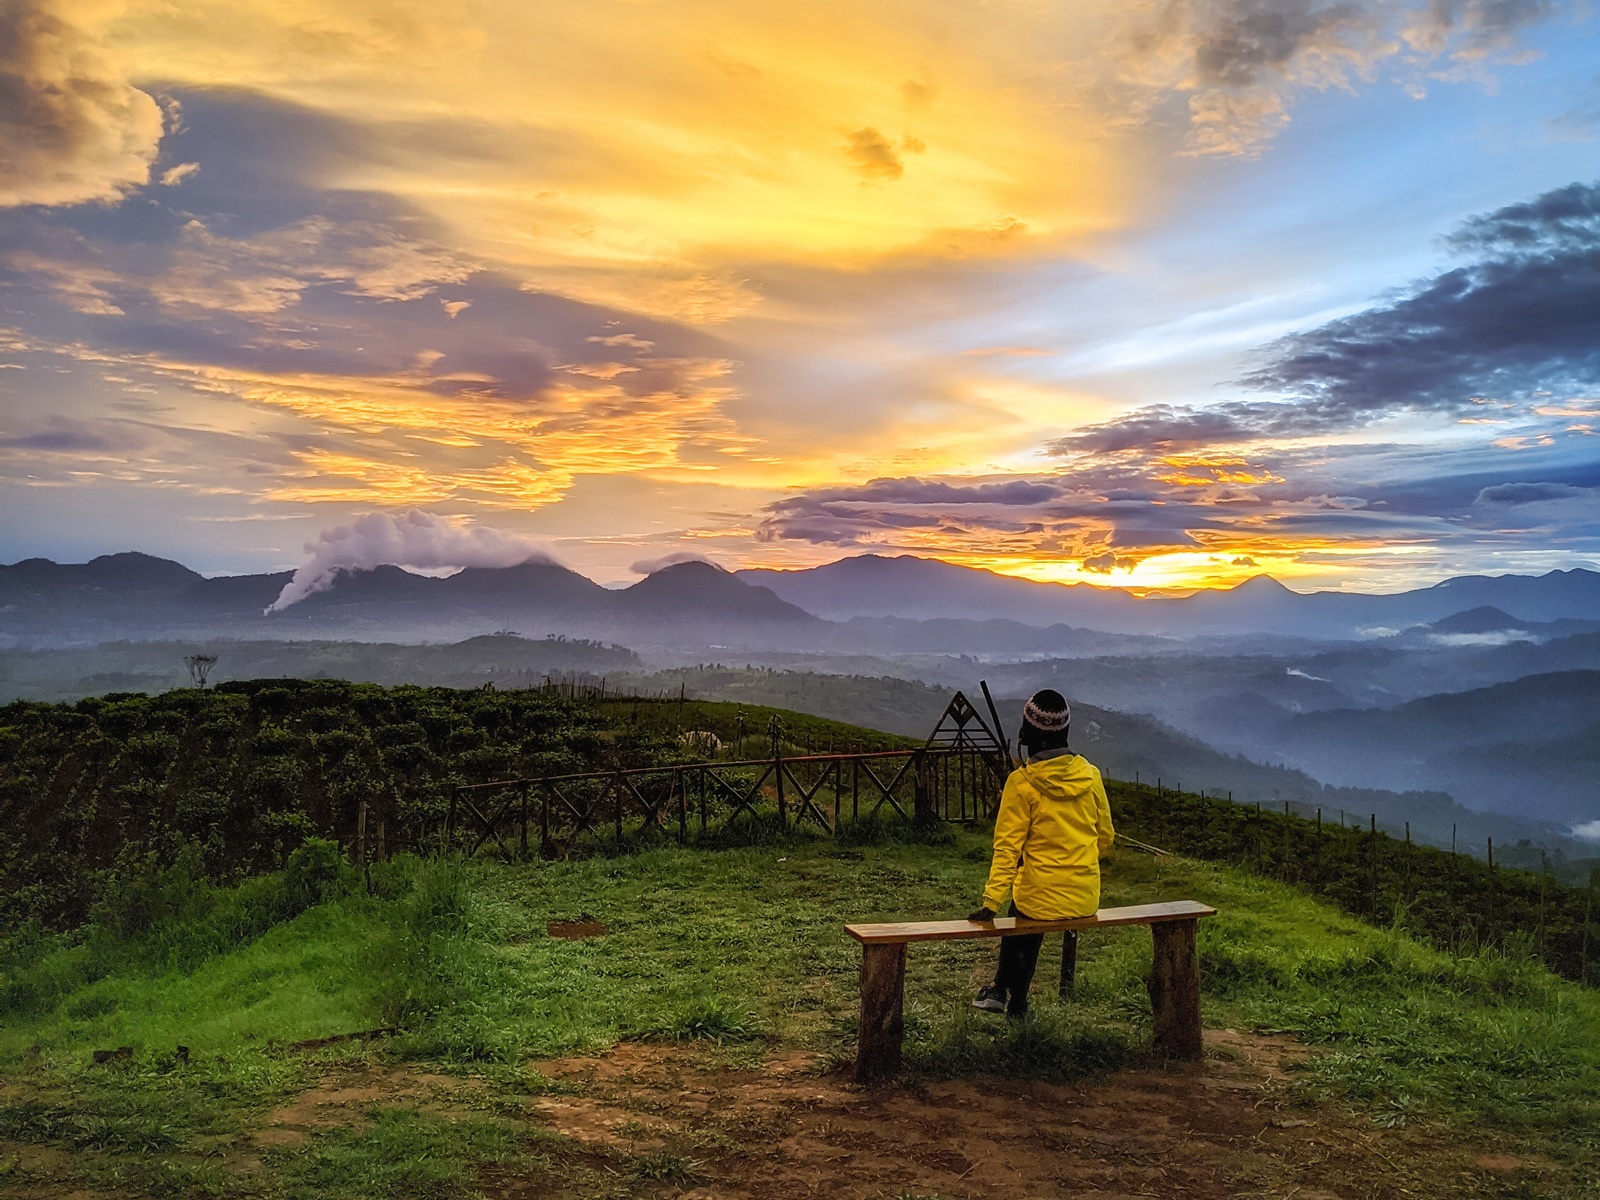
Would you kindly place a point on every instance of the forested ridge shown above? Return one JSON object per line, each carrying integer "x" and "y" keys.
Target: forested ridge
{"x": 246, "y": 771}
{"x": 1452, "y": 900}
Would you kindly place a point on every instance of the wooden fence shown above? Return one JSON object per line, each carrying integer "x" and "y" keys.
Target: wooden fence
{"x": 956, "y": 775}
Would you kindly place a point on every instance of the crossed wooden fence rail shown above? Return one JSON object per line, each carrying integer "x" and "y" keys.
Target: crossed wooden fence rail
{"x": 554, "y": 811}
{"x": 956, "y": 775}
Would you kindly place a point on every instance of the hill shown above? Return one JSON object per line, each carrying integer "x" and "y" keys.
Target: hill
{"x": 1451, "y": 739}
{"x": 462, "y": 1048}
{"x": 503, "y": 659}
{"x": 241, "y": 773}
{"x": 257, "y": 977}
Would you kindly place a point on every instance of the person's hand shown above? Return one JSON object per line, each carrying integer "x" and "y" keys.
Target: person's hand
{"x": 983, "y": 914}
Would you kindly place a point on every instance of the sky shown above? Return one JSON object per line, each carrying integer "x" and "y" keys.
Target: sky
{"x": 1151, "y": 294}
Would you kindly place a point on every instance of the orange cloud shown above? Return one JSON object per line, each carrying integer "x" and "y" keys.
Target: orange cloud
{"x": 648, "y": 157}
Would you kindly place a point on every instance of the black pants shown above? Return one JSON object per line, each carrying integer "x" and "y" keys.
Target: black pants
{"x": 1019, "y": 958}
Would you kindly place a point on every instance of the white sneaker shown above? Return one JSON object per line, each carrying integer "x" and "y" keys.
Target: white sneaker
{"x": 990, "y": 999}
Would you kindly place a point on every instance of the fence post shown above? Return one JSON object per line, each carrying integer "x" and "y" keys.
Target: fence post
{"x": 1588, "y": 915}
{"x": 619, "y": 799}
{"x": 922, "y": 810}
{"x": 544, "y": 823}
{"x": 682, "y": 785}
{"x": 775, "y": 731}
{"x": 1410, "y": 887}
{"x": 1372, "y": 842}
{"x": 838, "y": 786}
{"x": 523, "y": 793}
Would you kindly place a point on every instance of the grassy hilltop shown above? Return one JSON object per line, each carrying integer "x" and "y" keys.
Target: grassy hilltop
{"x": 740, "y": 949}
{"x": 1466, "y": 1070}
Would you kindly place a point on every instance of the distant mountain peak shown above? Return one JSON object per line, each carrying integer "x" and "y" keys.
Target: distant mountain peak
{"x": 132, "y": 569}
{"x": 702, "y": 588}
{"x": 1484, "y": 619}
{"x": 1261, "y": 585}
{"x": 690, "y": 567}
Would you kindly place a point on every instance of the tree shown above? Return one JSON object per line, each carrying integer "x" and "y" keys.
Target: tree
{"x": 199, "y": 667}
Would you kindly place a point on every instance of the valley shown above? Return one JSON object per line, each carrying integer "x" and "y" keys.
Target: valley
{"x": 1467, "y": 723}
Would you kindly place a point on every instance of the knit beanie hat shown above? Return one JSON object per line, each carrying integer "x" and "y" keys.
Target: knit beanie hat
{"x": 1047, "y": 711}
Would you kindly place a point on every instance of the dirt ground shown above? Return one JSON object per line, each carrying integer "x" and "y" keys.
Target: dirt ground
{"x": 1221, "y": 1128}
{"x": 676, "y": 1121}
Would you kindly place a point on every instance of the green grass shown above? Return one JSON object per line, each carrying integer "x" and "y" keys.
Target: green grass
{"x": 741, "y": 948}
{"x": 404, "y": 1153}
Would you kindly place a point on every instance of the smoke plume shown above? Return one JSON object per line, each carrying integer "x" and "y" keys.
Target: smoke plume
{"x": 414, "y": 539}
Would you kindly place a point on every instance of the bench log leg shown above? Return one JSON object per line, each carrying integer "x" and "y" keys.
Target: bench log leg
{"x": 1069, "y": 964}
{"x": 883, "y": 986}
{"x": 1174, "y": 985}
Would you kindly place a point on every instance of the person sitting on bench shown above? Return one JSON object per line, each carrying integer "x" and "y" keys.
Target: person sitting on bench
{"x": 1053, "y": 829}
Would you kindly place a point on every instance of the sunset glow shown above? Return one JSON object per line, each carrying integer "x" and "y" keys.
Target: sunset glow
{"x": 1058, "y": 290}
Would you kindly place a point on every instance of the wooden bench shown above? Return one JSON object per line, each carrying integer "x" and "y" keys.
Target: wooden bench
{"x": 1173, "y": 983}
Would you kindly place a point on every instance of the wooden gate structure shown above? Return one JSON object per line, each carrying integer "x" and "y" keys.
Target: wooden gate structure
{"x": 955, "y": 775}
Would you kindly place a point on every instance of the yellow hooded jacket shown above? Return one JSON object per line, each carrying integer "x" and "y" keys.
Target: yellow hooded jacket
{"x": 1053, "y": 829}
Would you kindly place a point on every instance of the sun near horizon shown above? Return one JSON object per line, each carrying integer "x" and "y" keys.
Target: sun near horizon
{"x": 1080, "y": 293}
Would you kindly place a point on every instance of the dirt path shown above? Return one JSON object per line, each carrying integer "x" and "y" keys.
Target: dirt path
{"x": 676, "y": 1121}
{"x": 1219, "y": 1129}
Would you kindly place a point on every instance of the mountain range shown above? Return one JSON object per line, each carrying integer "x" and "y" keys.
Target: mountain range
{"x": 868, "y": 602}
{"x": 870, "y": 585}
{"x": 133, "y": 594}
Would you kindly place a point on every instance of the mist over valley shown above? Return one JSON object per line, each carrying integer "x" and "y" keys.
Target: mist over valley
{"x": 1465, "y": 709}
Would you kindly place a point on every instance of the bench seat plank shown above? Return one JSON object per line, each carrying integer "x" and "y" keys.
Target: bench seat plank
{"x": 941, "y": 931}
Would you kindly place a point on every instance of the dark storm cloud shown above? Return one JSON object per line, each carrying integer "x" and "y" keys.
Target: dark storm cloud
{"x": 51, "y": 444}
{"x": 1524, "y": 317}
{"x": 1521, "y": 319}
{"x": 1019, "y": 507}
{"x": 847, "y": 515}
{"x": 1174, "y": 427}
{"x": 1242, "y": 61}
{"x": 1565, "y": 219}
{"x": 912, "y": 490}
{"x": 68, "y": 439}
{"x": 1476, "y": 26}
{"x": 1239, "y": 42}
{"x": 1533, "y": 493}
